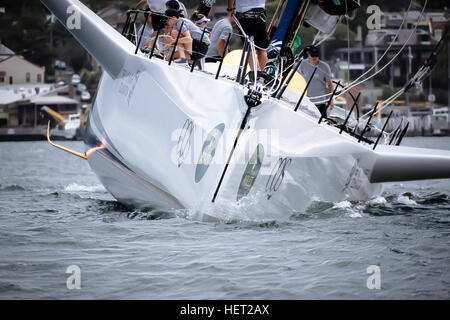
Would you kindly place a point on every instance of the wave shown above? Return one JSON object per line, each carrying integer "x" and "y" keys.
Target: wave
{"x": 13, "y": 187}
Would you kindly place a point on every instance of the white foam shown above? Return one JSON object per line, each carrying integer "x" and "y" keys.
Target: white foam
{"x": 74, "y": 187}
{"x": 355, "y": 215}
{"x": 377, "y": 200}
{"x": 406, "y": 200}
{"x": 342, "y": 205}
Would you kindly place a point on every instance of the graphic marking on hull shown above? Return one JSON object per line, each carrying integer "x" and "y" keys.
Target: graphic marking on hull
{"x": 208, "y": 151}
{"x": 184, "y": 141}
{"x": 251, "y": 172}
{"x": 277, "y": 176}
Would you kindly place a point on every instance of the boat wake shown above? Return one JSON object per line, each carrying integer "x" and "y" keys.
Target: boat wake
{"x": 248, "y": 215}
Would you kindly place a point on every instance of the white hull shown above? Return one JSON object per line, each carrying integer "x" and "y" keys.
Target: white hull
{"x": 140, "y": 123}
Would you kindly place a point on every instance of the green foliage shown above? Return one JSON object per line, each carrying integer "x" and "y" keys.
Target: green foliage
{"x": 23, "y": 28}
{"x": 90, "y": 79}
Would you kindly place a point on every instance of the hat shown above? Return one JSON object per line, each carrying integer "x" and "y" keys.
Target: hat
{"x": 313, "y": 51}
{"x": 172, "y": 13}
{"x": 173, "y": 4}
{"x": 202, "y": 19}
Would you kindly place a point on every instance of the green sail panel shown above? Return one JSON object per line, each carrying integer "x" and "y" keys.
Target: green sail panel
{"x": 251, "y": 172}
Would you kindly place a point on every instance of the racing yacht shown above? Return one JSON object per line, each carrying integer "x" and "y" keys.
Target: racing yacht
{"x": 167, "y": 136}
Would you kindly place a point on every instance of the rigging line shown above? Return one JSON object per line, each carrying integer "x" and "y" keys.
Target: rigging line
{"x": 316, "y": 37}
{"x": 346, "y": 89}
{"x": 279, "y": 77}
{"x": 304, "y": 9}
{"x": 348, "y": 42}
{"x": 387, "y": 102}
{"x": 391, "y": 44}
{"x": 352, "y": 84}
{"x": 277, "y": 15}
{"x": 255, "y": 70}
{"x": 328, "y": 35}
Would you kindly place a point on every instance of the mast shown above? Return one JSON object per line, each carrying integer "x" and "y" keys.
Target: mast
{"x": 291, "y": 15}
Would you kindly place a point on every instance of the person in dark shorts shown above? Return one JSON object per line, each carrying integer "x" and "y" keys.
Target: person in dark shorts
{"x": 251, "y": 15}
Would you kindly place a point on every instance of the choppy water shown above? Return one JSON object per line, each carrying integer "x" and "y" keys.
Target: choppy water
{"x": 54, "y": 213}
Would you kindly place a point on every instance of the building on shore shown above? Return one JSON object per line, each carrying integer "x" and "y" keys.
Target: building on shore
{"x": 23, "y": 93}
{"x": 15, "y": 69}
{"x": 20, "y": 109}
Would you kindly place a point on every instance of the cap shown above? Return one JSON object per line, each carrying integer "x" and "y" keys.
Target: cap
{"x": 313, "y": 51}
{"x": 203, "y": 19}
{"x": 173, "y": 4}
{"x": 172, "y": 13}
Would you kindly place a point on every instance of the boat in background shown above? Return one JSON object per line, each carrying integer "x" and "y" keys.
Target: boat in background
{"x": 440, "y": 121}
{"x": 167, "y": 136}
{"x": 66, "y": 127}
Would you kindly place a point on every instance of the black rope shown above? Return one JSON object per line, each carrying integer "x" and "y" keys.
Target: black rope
{"x": 142, "y": 32}
{"x": 176, "y": 43}
{"x": 350, "y": 113}
{"x": 368, "y": 122}
{"x": 154, "y": 43}
{"x": 223, "y": 56}
{"x": 244, "y": 50}
{"x": 306, "y": 88}
{"x": 382, "y": 130}
{"x": 201, "y": 40}
{"x": 329, "y": 102}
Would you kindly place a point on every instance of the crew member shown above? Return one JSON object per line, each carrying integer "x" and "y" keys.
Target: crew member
{"x": 199, "y": 19}
{"x": 321, "y": 84}
{"x": 219, "y": 36}
{"x": 251, "y": 15}
{"x": 200, "y": 43}
{"x": 158, "y": 7}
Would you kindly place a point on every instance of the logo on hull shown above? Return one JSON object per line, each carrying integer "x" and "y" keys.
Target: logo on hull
{"x": 277, "y": 176}
{"x": 208, "y": 151}
{"x": 251, "y": 172}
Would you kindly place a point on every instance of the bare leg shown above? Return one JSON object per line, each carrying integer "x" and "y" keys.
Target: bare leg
{"x": 261, "y": 56}
{"x": 185, "y": 44}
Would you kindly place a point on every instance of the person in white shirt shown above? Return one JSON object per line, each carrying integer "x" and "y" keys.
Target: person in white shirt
{"x": 200, "y": 41}
{"x": 251, "y": 15}
{"x": 158, "y": 7}
{"x": 219, "y": 35}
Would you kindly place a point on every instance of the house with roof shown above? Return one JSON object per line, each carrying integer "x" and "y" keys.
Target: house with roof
{"x": 114, "y": 16}
{"x": 15, "y": 69}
